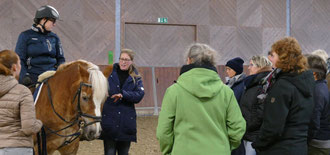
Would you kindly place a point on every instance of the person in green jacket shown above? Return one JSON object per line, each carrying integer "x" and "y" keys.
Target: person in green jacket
{"x": 199, "y": 113}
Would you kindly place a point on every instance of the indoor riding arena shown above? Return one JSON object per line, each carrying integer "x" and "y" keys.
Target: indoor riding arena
{"x": 160, "y": 31}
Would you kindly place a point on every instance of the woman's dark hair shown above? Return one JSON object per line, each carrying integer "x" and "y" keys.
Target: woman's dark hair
{"x": 7, "y": 59}
{"x": 318, "y": 66}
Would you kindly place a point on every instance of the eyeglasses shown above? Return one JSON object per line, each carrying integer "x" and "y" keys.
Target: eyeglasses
{"x": 125, "y": 60}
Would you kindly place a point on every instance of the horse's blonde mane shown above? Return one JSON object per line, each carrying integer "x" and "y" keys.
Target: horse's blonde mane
{"x": 99, "y": 83}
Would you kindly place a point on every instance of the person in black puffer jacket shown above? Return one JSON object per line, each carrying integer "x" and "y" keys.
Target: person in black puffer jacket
{"x": 252, "y": 110}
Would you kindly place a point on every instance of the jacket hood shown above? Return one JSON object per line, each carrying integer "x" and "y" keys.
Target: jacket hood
{"x": 201, "y": 82}
{"x": 304, "y": 82}
{"x": 6, "y": 84}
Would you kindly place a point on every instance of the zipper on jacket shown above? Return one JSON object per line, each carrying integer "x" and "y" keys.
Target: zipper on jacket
{"x": 49, "y": 45}
{"x": 28, "y": 62}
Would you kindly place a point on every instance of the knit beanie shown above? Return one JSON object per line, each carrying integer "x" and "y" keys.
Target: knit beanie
{"x": 236, "y": 64}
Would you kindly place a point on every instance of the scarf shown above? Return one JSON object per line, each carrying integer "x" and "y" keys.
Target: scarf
{"x": 231, "y": 81}
{"x": 266, "y": 83}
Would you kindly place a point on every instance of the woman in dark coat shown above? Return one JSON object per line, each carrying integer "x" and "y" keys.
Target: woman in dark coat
{"x": 288, "y": 103}
{"x": 252, "y": 110}
{"x": 119, "y": 115}
{"x": 319, "y": 128}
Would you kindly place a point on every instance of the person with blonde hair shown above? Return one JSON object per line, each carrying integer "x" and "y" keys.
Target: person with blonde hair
{"x": 119, "y": 115}
{"x": 199, "y": 114}
{"x": 18, "y": 119}
{"x": 252, "y": 108}
{"x": 287, "y": 96}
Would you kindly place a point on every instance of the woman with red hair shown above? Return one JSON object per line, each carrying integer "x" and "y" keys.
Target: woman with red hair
{"x": 18, "y": 119}
{"x": 288, "y": 102}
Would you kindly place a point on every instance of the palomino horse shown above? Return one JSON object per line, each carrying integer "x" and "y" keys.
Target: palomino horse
{"x": 69, "y": 105}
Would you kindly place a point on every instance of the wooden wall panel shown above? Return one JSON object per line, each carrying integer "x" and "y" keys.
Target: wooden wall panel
{"x": 158, "y": 45}
{"x": 249, "y": 40}
{"x": 222, "y": 72}
{"x": 165, "y": 77}
{"x": 148, "y": 100}
{"x": 223, "y": 12}
{"x": 249, "y": 13}
{"x": 269, "y": 36}
{"x": 273, "y": 13}
{"x": 311, "y": 24}
{"x": 224, "y": 40}
{"x": 5, "y": 9}
{"x": 6, "y": 35}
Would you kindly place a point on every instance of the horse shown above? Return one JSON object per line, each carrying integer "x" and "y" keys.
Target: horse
{"x": 69, "y": 105}
{"x": 107, "y": 70}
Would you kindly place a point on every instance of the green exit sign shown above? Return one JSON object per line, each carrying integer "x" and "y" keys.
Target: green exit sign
{"x": 162, "y": 20}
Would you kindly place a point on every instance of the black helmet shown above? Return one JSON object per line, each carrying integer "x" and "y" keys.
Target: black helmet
{"x": 47, "y": 11}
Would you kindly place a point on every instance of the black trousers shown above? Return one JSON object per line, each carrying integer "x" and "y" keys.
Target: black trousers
{"x": 112, "y": 147}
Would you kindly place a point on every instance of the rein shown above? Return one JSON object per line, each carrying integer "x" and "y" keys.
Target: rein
{"x": 82, "y": 124}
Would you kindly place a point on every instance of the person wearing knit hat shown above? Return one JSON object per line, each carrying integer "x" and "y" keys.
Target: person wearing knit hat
{"x": 234, "y": 70}
{"x": 236, "y": 64}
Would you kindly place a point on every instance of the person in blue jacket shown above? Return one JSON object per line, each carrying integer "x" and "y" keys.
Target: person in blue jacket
{"x": 319, "y": 127}
{"x": 119, "y": 115}
{"x": 234, "y": 70}
{"x": 39, "y": 49}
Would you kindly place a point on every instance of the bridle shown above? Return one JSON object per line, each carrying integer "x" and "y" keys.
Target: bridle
{"x": 77, "y": 119}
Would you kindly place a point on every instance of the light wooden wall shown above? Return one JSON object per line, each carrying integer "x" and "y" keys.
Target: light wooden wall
{"x": 311, "y": 24}
{"x": 233, "y": 27}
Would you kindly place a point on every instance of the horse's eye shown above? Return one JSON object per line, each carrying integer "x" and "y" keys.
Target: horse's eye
{"x": 85, "y": 98}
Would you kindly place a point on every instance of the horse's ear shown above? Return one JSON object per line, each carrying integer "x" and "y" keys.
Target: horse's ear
{"x": 108, "y": 70}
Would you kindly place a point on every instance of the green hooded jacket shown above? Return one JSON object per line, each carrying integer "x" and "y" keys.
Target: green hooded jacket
{"x": 199, "y": 115}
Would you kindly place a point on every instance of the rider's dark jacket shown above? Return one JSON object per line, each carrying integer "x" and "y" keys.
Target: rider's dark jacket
{"x": 39, "y": 52}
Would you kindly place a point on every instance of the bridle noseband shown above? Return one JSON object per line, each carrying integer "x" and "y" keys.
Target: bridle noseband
{"x": 80, "y": 113}
{"x": 77, "y": 119}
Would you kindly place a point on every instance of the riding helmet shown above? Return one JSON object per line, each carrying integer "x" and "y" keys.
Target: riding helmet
{"x": 46, "y": 11}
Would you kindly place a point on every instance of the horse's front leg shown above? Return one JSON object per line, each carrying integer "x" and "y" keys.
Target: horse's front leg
{"x": 52, "y": 145}
{"x": 70, "y": 149}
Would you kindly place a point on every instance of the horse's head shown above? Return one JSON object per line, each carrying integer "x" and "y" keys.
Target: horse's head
{"x": 89, "y": 90}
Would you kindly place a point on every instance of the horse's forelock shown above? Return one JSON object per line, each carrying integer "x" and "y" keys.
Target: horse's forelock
{"x": 96, "y": 78}
{"x": 99, "y": 85}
